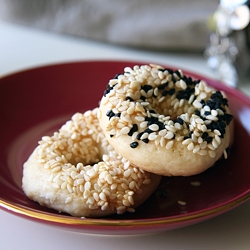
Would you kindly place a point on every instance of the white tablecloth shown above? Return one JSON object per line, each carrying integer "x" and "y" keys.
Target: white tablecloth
{"x": 22, "y": 48}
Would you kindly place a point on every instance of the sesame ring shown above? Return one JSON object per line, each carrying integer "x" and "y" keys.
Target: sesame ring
{"x": 165, "y": 122}
{"x": 78, "y": 172}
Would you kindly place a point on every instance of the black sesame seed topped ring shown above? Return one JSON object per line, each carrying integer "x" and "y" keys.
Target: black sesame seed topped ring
{"x": 164, "y": 121}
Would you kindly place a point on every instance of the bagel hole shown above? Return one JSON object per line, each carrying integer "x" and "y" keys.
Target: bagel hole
{"x": 93, "y": 156}
{"x": 168, "y": 111}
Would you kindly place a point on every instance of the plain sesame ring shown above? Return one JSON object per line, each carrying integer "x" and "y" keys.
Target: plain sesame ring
{"x": 165, "y": 122}
{"x": 78, "y": 172}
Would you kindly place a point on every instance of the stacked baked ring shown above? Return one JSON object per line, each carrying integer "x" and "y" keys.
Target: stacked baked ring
{"x": 78, "y": 172}
{"x": 152, "y": 121}
{"x": 165, "y": 122}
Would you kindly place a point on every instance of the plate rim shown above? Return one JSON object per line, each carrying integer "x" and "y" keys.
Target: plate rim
{"x": 60, "y": 219}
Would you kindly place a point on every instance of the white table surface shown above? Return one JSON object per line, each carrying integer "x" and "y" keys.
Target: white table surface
{"x": 22, "y": 48}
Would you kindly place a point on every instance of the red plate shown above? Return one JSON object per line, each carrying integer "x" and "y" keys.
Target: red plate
{"x": 38, "y": 101}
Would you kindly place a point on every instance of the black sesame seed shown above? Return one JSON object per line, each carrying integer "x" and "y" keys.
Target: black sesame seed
{"x": 146, "y": 87}
{"x": 146, "y": 140}
{"x": 110, "y": 113}
{"x": 189, "y": 81}
{"x": 171, "y": 91}
{"x": 106, "y": 92}
{"x": 152, "y": 111}
{"x": 177, "y": 72}
{"x": 185, "y": 94}
{"x": 134, "y": 144}
{"x": 197, "y": 112}
{"x": 151, "y": 120}
{"x": 210, "y": 104}
{"x": 180, "y": 94}
{"x": 204, "y": 135}
{"x": 217, "y": 94}
{"x": 160, "y": 125}
{"x": 207, "y": 113}
{"x": 133, "y": 129}
{"x": 208, "y": 139}
{"x": 147, "y": 130}
{"x": 196, "y": 81}
{"x": 170, "y": 71}
{"x": 219, "y": 125}
{"x": 202, "y": 102}
{"x": 164, "y": 93}
{"x": 163, "y": 86}
{"x": 225, "y": 102}
{"x": 180, "y": 120}
{"x": 174, "y": 79}
{"x": 143, "y": 98}
{"x": 138, "y": 137}
{"x": 162, "y": 70}
{"x": 217, "y": 104}
{"x": 227, "y": 118}
{"x": 108, "y": 89}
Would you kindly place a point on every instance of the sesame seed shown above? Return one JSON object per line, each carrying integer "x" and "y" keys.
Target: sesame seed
{"x": 102, "y": 196}
{"x": 183, "y": 84}
{"x": 182, "y": 203}
{"x": 139, "y": 118}
{"x": 163, "y": 132}
{"x": 199, "y": 120}
{"x": 134, "y": 144}
{"x": 154, "y": 127}
{"x": 144, "y": 136}
{"x": 152, "y": 137}
{"x": 56, "y": 169}
{"x": 68, "y": 200}
{"x": 214, "y": 112}
{"x": 144, "y": 103}
{"x": 212, "y": 153}
{"x": 125, "y": 130}
{"x": 170, "y": 144}
{"x": 187, "y": 141}
{"x": 210, "y": 146}
{"x": 218, "y": 139}
{"x": 225, "y": 154}
{"x": 134, "y": 84}
{"x": 130, "y": 110}
{"x": 190, "y": 146}
{"x": 215, "y": 143}
{"x": 169, "y": 135}
{"x": 203, "y": 95}
{"x": 196, "y": 149}
{"x": 134, "y": 136}
{"x": 211, "y": 117}
{"x": 202, "y": 152}
{"x": 195, "y": 183}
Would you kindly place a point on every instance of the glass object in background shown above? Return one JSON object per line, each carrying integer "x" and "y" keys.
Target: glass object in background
{"x": 228, "y": 52}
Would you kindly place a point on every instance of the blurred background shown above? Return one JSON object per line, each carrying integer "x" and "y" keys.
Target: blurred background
{"x": 219, "y": 29}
